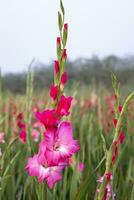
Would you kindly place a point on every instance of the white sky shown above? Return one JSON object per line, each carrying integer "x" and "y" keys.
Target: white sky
{"x": 28, "y": 29}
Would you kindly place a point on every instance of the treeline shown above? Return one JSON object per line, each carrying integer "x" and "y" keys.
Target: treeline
{"x": 84, "y": 71}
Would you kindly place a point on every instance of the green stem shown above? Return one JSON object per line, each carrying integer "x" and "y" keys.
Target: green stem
{"x": 29, "y": 93}
{"x": 43, "y": 191}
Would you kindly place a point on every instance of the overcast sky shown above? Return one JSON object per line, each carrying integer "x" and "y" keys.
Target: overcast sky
{"x": 28, "y": 29}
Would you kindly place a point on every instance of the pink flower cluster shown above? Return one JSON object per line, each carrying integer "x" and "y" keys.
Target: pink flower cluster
{"x": 55, "y": 151}
{"x": 58, "y": 145}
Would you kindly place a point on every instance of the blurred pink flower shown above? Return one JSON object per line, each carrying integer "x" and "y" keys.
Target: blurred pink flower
{"x": 2, "y": 135}
{"x": 35, "y": 135}
{"x": 23, "y": 136}
{"x": 80, "y": 167}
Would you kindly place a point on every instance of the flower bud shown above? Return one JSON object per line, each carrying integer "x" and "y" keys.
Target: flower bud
{"x": 65, "y": 26}
{"x": 56, "y": 67}
{"x": 65, "y": 34}
{"x": 115, "y": 122}
{"x": 120, "y": 108}
{"x": 54, "y": 92}
{"x": 64, "y": 54}
{"x": 58, "y": 42}
{"x": 121, "y": 137}
{"x": 64, "y": 78}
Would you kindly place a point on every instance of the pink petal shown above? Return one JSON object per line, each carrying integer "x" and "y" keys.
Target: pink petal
{"x": 33, "y": 166}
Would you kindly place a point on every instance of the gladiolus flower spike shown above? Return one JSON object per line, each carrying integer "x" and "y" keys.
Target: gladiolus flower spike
{"x": 58, "y": 145}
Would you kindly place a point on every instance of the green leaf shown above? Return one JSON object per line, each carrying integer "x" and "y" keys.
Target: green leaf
{"x": 83, "y": 188}
{"x": 64, "y": 184}
{"x": 5, "y": 178}
{"x": 2, "y": 119}
{"x": 73, "y": 186}
{"x": 103, "y": 143}
{"x": 7, "y": 150}
{"x": 10, "y": 163}
{"x": 12, "y": 142}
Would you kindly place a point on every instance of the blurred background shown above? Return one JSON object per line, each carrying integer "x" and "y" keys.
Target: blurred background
{"x": 100, "y": 40}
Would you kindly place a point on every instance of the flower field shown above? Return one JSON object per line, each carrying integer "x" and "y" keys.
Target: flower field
{"x": 66, "y": 143}
{"x": 91, "y": 117}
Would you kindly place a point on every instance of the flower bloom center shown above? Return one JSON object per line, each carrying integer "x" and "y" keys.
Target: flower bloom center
{"x": 56, "y": 146}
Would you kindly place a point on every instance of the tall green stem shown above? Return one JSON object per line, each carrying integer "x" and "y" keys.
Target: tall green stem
{"x": 29, "y": 93}
{"x": 111, "y": 149}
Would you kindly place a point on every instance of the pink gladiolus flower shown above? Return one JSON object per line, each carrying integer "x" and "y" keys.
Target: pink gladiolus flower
{"x": 54, "y": 92}
{"x": 64, "y": 106}
{"x": 60, "y": 143}
{"x": 2, "y": 135}
{"x": 35, "y": 135}
{"x": 80, "y": 167}
{"x": 40, "y": 168}
{"x": 64, "y": 78}
{"x": 56, "y": 66}
{"x": 22, "y": 136}
{"x": 47, "y": 118}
